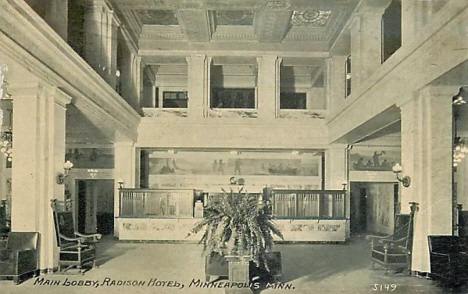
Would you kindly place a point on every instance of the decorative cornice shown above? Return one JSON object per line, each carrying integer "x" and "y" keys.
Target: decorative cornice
{"x": 237, "y": 37}
{"x": 61, "y": 98}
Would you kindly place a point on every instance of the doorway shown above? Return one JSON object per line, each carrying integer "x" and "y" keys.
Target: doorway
{"x": 358, "y": 207}
{"x": 373, "y": 207}
{"x": 95, "y": 206}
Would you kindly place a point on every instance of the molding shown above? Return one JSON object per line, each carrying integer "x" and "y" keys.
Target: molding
{"x": 17, "y": 90}
{"x": 214, "y": 53}
{"x": 62, "y": 98}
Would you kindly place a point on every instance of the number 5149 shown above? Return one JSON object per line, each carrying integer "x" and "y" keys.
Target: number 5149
{"x": 384, "y": 287}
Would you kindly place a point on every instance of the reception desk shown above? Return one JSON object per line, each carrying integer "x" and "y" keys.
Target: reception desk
{"x": 169, "y": 215}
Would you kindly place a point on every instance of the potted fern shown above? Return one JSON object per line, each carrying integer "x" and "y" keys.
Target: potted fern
{"x": 238, "y": 226}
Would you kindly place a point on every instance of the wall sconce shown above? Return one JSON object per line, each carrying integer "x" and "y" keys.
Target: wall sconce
{"x": 121, "y": 183}
{"x": 345, "y": 184}
{"x": 66, "y": 169}
{"x": 406, "y": 180}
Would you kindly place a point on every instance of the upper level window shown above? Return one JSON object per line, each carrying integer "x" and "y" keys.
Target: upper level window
{"x": 175, "y": 99}
{"x": 293, "y": 100}
{"x": 348, "y": 77}
{"x": 233, "y": 98}
{"x": 391, "y": 29}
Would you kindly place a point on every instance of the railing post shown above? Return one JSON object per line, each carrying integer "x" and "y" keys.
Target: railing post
{"x": 296, "y": 204}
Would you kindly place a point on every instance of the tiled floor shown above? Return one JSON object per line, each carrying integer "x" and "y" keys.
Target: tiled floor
{"x": 307, "y": 268}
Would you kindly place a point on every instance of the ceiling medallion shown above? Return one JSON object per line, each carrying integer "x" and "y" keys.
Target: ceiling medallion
{"x": 314, "y": 18}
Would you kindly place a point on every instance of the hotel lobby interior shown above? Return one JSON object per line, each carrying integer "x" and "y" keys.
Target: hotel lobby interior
{"x": 342, "y": 122}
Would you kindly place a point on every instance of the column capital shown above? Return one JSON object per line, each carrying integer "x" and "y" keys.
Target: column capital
{"x": 60, "y": 97}
{"x": 194, "y": 57}
{"x": 25, "y": 89}
{"x": 440, "y": 90}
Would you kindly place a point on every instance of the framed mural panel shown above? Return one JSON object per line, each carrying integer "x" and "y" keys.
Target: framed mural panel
{"x": 211, "y": 168}
{"x": 372, "y": 158}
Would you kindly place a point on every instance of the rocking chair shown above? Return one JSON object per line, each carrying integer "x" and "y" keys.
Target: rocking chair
{"x": 76, "y": 249}
{"x": 394, "y": 251}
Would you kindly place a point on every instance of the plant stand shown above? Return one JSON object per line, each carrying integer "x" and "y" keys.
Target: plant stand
{"x": 239, "y": 274}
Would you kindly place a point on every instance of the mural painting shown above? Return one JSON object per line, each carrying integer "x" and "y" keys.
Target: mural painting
{"x": 207, "y": 169}
{"x": 373, "y": 159}
{"x": 91, "y": 157}
{"x": 214, "y": 163}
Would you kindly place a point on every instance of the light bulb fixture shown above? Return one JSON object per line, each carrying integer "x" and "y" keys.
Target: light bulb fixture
{"x": 345, "y": 184}
{"x": 121, "y": 183}
{"x": 3, "y": 91}
{"x": 406, "y": 180}
{"x": 67, "y": 166}
{"x": 6, "y": 137}
{"x": 459, "y": 98}
{"x": 92, "y": 172}
{"x": 459, "y": 150}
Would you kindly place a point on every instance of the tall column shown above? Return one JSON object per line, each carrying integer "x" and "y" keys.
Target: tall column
{"x": 366, "y": 39}
{"x": 100, "y": 46}
{"x": 56, "y": 15}
{"x": 426, "y": 136}
{"x": 113, "y": 25}
{"x": 198, "y": 85}
{"x": 125, "y": 170}
{"x": 39, "y": 153}
{"x": 268, "y": 86}
{"x": 416, "y": 14}
{"x": 131, "y": 76}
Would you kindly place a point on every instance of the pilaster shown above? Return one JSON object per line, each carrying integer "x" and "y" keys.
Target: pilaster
{"x": 198, "y": 85}
{"x": 125, "y": 170}
{"x": 268, "y": 86}
{"x": 39, "y": 153}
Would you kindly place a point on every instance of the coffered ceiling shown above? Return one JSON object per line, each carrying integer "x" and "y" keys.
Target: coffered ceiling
{"x": 241, "y": 25}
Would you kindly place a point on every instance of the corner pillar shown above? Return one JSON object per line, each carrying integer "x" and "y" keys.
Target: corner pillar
{"x": 39, "y": 121}
{"x": 426, "y": 136}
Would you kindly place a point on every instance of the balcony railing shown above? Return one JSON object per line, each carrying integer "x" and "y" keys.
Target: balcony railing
{"x": 307, "y": 204}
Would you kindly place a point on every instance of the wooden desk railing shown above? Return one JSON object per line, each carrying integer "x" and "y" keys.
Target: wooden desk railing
{"x": 145, "y": 203}
{"x": 308, "y": 204}
{"x": 179, "y": 203}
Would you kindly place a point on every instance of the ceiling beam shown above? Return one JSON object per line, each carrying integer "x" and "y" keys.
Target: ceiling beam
{"x": 196, "y": 24}
{"x": 271, "y": 26}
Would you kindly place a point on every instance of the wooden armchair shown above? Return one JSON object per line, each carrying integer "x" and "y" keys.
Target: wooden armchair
{"x": 394, "y": 251}
{"x": 19, "y": 258}
{"x": 76, "y": 249}
{"x": 449, "y": 260}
